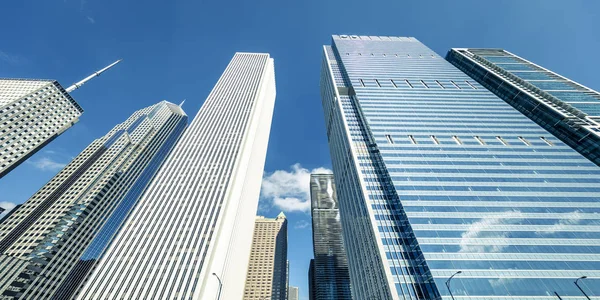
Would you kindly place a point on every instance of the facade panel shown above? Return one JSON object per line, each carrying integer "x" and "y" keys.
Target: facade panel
{"x": 435, "y": 174}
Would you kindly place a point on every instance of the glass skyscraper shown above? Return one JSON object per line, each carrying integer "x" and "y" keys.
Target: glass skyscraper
{"x": 565, "y": 108}
{"x": 50, "y": 243}
{"x": 190, "y": 235}
{"x": 435, "y": 174}
{"x": 331, "y": 280}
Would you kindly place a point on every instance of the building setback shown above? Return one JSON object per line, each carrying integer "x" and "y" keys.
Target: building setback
{"x": 267, "y": 270}
{"x": 565, "y": 108}
{"x": 435, "y": 174}
{"x": 191, "y": 233}
{"x": 33, "y": 112}
{"x": 49, "y": 244}
{"x": 330, "y": 266}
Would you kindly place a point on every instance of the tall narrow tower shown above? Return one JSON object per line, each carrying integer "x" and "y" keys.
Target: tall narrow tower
{"x": 48, "y": 245}
{"x": 33, "y": 113}
{"x": 435, "y": 174}
{"x": 330, "y": 266}
{"x": 191, "y": 233}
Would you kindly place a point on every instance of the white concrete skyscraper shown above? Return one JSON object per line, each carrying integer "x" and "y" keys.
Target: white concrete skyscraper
{"x": 32, "y": 113}
{"x": 49, "y": 245}
{"x": 191, "y": 233}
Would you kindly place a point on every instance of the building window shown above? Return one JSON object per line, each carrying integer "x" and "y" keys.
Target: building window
{"x": 505, "y": 143}
{"x": 455, "y": 85}
{"x": 457, "y": 140}
{"x": 412, "y": 139}
{"x": 472, "y": 86}
{"x": 389, "y": 138}
{"x": 546, "y": 141}
{"x": 479, "y": 140}
{"x": 526, "y": 142}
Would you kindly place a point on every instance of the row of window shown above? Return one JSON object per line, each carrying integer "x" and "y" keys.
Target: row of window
{"x": 479, "y": 140}
{"x": 422, "y": 83}
{"x": 396, "y": 55}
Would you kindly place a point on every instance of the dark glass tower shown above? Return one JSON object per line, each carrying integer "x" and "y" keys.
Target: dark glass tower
{"x": 565, "y": 108}
{"x": 330, "y": 268}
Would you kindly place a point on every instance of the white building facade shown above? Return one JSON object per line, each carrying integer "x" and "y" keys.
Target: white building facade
{"x": 48, "y": 245}
{"x": 33, "y": 112}
{"x": 191, "y": 233}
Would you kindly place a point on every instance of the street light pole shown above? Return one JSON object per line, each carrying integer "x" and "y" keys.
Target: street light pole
{"x": 220, "y": 286}
{"x": 586, "y": 295}
{"x": 448, "y": 283}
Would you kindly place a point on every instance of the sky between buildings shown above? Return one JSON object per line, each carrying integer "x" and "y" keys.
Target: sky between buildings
{"x": 175, "y": 50}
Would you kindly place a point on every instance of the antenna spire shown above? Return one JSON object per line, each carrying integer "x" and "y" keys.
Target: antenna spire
{"x": 182, "y": 102}
{"x": 97, "y": 73}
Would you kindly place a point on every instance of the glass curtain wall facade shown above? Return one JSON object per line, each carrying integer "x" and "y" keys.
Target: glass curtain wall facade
{"x": 435, "y": 174}
{"x": 330, "y": 267}
{"x": 565, "y": 108}
{"x": 70, "y": 220}
{"x": 192, "y": 229}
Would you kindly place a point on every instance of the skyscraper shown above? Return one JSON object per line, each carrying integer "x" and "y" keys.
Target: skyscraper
{"x": 267, "y": 274}
{"x": 330, "y": 267}
{"x": 49, "y": 244}
{"x": 435, "y": 174}
{"x": 293, "y": 293}
{"x": 311, "y": 280}
{"x": 33, "y": 113}
{"x": 565, "y": 108}
{"x": 191, "y": 233}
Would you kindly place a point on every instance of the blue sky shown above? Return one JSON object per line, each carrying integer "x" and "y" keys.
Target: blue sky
{"x": 176, "y": 50}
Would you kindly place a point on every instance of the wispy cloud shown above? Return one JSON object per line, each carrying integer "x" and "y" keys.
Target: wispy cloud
{"x": 289, "y": 190}
{"x": 301, "y": 224}
{"x": 470, "y": 239}
{"x": 11, "y": 58}
{"x": 91, "y": 19}
{"x": 47, "y": 164}
{"x": 572, "y": 218}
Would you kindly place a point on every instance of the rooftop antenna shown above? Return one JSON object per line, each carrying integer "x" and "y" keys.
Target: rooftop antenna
{"x": 97, "y": 73}
{"x": 182, "y": 102}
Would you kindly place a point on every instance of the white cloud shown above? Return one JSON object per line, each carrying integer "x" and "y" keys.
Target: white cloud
{"x": 8, "y": 206}
{"x": 11, "y": 59}
{"x": 470, "y": 239}
{"x": 290, "y": 190}
{"x": 301, "y": 224}
{"x": 572, "y": 218}
{"x": 91, "y": 19}
{"x": 47, "y": 164}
